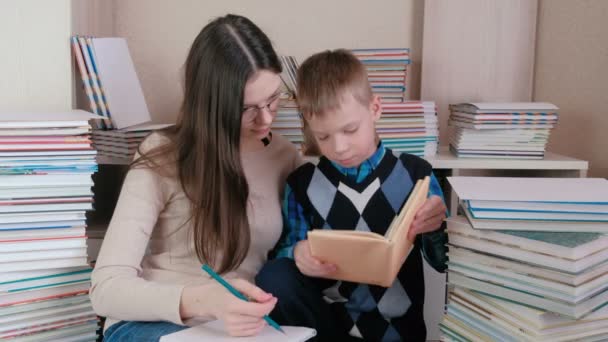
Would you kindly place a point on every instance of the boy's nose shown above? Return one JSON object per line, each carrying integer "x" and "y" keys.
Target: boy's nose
{"x": 340, "y": 145}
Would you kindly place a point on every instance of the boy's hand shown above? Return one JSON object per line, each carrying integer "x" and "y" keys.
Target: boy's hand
{"x": 428, "y": 218}
{"x": 309, "y": 265}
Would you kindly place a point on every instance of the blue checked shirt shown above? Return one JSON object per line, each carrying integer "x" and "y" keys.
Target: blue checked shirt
{"x": 295, "y": 224}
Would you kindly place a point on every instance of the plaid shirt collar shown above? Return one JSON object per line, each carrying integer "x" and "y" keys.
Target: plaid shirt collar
{"x": 359, "y": 173}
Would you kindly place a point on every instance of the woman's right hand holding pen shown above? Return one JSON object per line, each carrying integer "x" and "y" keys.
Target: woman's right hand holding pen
{"x": 308, "y": 264}
{"x": 240, "y": 318}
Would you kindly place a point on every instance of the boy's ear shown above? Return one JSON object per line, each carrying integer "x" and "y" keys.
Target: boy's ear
{"x": 376, "y": 107}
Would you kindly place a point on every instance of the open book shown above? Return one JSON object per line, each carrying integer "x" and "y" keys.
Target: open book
{"x": 366, "y": 257}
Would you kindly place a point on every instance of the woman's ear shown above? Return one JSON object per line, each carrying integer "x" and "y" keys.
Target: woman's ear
{"x": 376, "y": 107}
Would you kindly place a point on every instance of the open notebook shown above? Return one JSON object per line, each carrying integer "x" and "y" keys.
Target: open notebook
{"x": 366, "y": 257}
{"x": 214, "y": 331}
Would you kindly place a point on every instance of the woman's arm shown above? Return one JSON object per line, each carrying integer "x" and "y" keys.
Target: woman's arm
{"x": 118, "y": 290}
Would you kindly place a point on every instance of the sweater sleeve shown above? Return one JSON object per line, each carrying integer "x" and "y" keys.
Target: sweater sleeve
{"x": 118, "y": 289}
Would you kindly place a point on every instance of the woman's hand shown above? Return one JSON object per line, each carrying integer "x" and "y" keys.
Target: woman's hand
{"x": 428, "y": 218}
{"x": 240, "y": 318}
{"x": 309, "y": 265}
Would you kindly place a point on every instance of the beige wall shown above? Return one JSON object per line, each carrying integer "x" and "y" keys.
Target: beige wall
{"x": 473, "y": 52}
{"x": 35, "y": 56}
{"x": 572, "y": 72}
{"x": 159, "y": 33}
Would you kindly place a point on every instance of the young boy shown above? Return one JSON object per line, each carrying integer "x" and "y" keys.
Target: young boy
{"x": 357, "y": 184}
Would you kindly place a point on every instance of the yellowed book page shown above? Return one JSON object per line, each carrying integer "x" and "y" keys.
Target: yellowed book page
{"x": 403, "y": 245}
{"x": 362, "y": 260}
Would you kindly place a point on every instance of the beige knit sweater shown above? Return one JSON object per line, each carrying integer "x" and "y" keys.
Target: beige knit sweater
{"x": 147, "y": 256}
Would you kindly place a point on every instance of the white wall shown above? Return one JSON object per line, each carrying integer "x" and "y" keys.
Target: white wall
{"x": 159, "y": 34}
{"x": 477, "y": 51}
{"x": 35, "y": 55}
{"x": 572, "y": 72}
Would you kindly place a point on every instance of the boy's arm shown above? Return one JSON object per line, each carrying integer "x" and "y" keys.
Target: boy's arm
{"x": 434, "y": 243}
{"x": 295, "y": 225}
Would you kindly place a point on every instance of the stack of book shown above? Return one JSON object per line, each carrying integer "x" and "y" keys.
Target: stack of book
{"x": 535, "y": 204}
{"x": 114, "y": 92}
{"x": 121, "y": 144}
{"x": 541, "y": 277}
{"x": 386, "y": 70}
{"x": 516, "y": 130}
{"x": 46, "y": 163}
{"x": 288, "y": 121}
{"x": 409, "y": 127}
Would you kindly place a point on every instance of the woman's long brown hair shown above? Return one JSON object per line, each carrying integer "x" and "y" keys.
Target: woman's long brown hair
{"x": 204, "y": 145}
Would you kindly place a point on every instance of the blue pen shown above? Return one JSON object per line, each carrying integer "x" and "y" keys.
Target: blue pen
{"x": 239, "y": 295}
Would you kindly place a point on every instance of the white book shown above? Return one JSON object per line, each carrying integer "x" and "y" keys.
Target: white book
{"x": 504, "y": 107}
{"x": 43, "y": 217}
{"x": 45, "y": 293}
{"x": 569, "y": 190}
{"x": 501, "y": 291}
{"x": 532, "y": 284}
{"x": 122, "y": 89}
{"x": 214, "y": 331}
{"x": 40, "y": 245}
{"x": 504, "y": 328}
{"x": 44, "y": 131}
{"x": 21, "y": 266}
{"x": 90, "y": 152}
{"x": 9, "y": 257}
{"x": 31, "y": 226}
{"x": 50, "y": 323}
{"x": 19, "y": 276}
{"x": 68, "y": 301}
{"x": 536, "y": 225}
{"x": 53, "y": 181}
{"x": 83, "y": 331}
{"x": 548, "y": 261}
{"x": 537, "y": 216}
{"x": 503, "y": 116}
{"x": 28, "y": 208}
{"x": 58, "y": 310}
{"x": 527, "y": 318}
{"x": 67, "y": 191}
{"x": 468, "y": 257}
{"x": 32, "y": 234}
{"x": 74, "y": 118}
{"x": 497, "y": 126}
{"x": 538, "y": 206}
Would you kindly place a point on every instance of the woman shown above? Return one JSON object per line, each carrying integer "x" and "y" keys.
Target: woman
{"x": 204, "y": 191}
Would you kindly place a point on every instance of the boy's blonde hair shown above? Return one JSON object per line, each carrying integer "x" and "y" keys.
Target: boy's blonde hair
{"x": 326, "y": 77}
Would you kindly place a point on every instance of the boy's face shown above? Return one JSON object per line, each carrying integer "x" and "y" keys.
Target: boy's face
{"x": 347, "y": 135}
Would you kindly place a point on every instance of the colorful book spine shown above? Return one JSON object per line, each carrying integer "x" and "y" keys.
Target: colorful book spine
{"x": 84, "y": 75}
{"x": 103, "y": 100}
{"x": 92, "y": 76}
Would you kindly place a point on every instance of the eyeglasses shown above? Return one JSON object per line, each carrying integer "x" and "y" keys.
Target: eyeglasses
{"x": 272, "y": 105}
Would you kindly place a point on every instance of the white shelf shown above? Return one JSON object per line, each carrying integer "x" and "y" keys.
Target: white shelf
{"x": 552, "y": 161}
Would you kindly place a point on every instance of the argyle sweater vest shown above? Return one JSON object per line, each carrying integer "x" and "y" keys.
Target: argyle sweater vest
{"x": 330, "y": 200}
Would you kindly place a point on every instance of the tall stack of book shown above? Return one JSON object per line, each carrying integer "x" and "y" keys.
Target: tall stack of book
{"x": 409, "y": 127}
{"x": 516, "y": 130}
{"x": 535, "y": 268}
{"x": 386, "y": 70}
{"x": 46, "y": 163}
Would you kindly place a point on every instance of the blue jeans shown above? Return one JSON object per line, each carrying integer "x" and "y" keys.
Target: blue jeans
{"x": 124, "y": 331}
